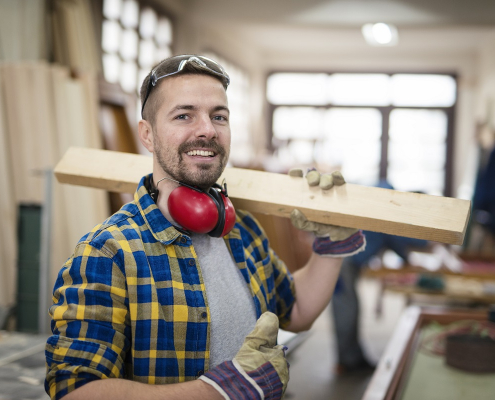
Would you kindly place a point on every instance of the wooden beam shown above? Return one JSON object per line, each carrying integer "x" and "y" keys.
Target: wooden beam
{"x": 414, "y": 215}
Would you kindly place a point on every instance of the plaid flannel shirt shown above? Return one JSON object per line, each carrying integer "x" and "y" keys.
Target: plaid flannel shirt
{"x": 131, "y": 302}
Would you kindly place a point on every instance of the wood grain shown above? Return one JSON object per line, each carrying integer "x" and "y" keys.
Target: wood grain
{"x": 421, "y": 216}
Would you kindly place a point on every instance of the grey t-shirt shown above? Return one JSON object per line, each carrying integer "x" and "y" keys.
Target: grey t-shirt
{"x": 231, "y": 304}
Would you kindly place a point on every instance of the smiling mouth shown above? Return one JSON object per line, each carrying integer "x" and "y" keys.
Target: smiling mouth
{"x": 201, "y": 153}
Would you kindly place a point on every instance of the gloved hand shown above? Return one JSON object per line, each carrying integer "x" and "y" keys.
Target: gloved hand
{"x": 259, "y": 370}
{"x": 331, "y": 240}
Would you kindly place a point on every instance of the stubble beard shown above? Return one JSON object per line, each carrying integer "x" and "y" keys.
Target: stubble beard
{"x": 204, "y": 175}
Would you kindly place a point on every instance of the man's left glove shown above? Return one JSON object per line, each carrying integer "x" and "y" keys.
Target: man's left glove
{"x": 331, "y": 240}
{"x": 258, "y": 371}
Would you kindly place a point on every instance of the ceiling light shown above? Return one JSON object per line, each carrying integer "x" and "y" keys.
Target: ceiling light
{"x": 380, "y": 34}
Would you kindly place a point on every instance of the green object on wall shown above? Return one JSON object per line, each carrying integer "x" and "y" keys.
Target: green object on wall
{"x": 28, "y": 271}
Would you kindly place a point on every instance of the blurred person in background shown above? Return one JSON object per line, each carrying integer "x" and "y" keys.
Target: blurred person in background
{"x": 345, "y": 300}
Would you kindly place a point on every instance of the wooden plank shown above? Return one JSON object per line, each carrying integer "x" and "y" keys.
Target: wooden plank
{"x": 8, "y": 211}
{"x": 436, "y": 218}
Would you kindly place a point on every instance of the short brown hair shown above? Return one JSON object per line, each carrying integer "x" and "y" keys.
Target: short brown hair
{"x": 169, "y": 66}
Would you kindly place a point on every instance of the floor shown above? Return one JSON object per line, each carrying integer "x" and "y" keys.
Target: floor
{"x": 22, "y": 367}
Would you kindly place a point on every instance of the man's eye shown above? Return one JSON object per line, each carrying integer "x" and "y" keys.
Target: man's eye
{"x": 220, "y": 118}
{"x": 182, "y": 116}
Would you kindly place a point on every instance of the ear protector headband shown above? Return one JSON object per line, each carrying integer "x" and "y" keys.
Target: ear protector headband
{"x": 200, "y": 211}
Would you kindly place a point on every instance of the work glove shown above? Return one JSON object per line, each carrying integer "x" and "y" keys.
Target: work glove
{"x": 331, "y": 240}
{"x": 258, "y": 371}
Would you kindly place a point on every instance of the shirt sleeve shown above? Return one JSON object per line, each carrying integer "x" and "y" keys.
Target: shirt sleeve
{"x": 89, "y": 322}
{"x": 280, "y": 282}
{"x": 285, "y": 289}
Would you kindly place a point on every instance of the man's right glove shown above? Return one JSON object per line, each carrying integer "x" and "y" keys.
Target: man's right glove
{"x": 258, "y": 371}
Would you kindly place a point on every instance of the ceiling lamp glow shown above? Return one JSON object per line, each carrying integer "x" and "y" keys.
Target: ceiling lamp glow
{"x": 380, "y": 34}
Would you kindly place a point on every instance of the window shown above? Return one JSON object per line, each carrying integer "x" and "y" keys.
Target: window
{"x": 242, "y": 150}
{"x": 134, "y": 39}
{"x": 372, "y": 126}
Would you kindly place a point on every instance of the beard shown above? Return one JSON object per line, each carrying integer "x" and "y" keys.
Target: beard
{"x": 204, "y": 175}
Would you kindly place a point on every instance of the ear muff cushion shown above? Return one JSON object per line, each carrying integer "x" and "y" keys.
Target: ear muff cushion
{"x": 194, "y": 211}
{"x": 217, "y": 197}
{"x": 229, "y": 215}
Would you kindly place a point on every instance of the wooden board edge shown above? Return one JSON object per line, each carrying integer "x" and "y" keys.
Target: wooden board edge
{"x": 393, "y": 358}
{"x": 389, "y": 227}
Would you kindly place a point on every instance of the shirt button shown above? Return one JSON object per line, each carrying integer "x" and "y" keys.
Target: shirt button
{"x": 183, "y": 239}
{"x": 192, "y": 262}
{"x": 199, "y": 373}
{"x": 204, "y": 314}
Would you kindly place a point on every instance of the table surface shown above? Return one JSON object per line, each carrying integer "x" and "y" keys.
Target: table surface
{"x": 406, "y": 373}
{"x": 430, "y": 378}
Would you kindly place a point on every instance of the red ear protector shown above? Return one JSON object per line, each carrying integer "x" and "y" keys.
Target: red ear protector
{"x": 201, "y": 211}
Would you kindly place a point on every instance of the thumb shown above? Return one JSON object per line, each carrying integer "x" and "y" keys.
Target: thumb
{"x": 264, "y": 333}
{"x": 299, "y": 220}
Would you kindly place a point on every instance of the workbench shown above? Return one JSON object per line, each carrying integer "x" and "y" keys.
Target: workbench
{"x": 408, "y": 373}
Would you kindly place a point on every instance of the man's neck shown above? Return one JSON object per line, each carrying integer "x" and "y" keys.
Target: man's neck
{"x": 165, "y": 187}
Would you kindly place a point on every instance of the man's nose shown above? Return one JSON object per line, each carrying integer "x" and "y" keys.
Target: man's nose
{"x": 206, "y": 128}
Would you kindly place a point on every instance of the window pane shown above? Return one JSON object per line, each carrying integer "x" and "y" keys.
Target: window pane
{"x": 359, "y": 89}
{"x": 147, "y": 25}
{"x": 423, "y": 90}
{"x": 288, "y": 88}
{"x": 130, "y": 14}
{"x": 141, "y": 75}
{"x": 423, "y": 126}
{"x": 129, "y": 45}
{"x": 128, "y": 77}
{"x": 417, "y": 150}
{"x": 297, "y": 123}
{"x": 147, "y": 53}
{"x": 110, "y": 36}
{"x": 430, "y": 182}
{"x": 352, "y": 140}
{"x": 111, "y": 67}
{"x": 163, "y": 34}
{"x": 301, "y": 151}
{"x": 162, "y": 53}
{"x": 112, "y": 8}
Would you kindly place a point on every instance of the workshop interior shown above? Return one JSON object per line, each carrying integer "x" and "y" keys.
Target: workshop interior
{"x": 395, "y": 94}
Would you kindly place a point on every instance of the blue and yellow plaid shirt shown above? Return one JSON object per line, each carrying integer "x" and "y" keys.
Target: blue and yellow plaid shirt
{"x": 131, "y": 302}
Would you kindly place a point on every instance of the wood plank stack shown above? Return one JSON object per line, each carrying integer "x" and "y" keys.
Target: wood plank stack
{"x": 74, "y": 39}
{"x": 23, "y": 30}
{"x": 43, "y": 112}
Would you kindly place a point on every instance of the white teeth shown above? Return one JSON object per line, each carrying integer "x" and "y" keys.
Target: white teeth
{"x": 200, "y": 153}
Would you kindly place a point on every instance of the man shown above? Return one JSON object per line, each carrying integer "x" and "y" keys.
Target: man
{"x": 345, "y": 301}
{"x": 144, "y": 299}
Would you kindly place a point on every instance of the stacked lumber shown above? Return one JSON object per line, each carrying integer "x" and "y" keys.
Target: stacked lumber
{"x": 8, "y": 242}
{"x": 74, "y": 35}
{"x": 23, "y": 30}
{"x": 43, "y": 112}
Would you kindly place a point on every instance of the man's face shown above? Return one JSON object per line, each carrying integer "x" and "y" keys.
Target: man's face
{"x": 191, "y": 136}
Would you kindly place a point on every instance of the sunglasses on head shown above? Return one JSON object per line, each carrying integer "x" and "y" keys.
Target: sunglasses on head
{"x": 198, "y": 60}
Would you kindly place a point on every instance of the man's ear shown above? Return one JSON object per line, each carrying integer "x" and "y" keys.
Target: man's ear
{"x": 146, "y": 134}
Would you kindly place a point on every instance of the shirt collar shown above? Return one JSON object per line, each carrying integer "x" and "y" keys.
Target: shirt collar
{"x": 160, "y": 227}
